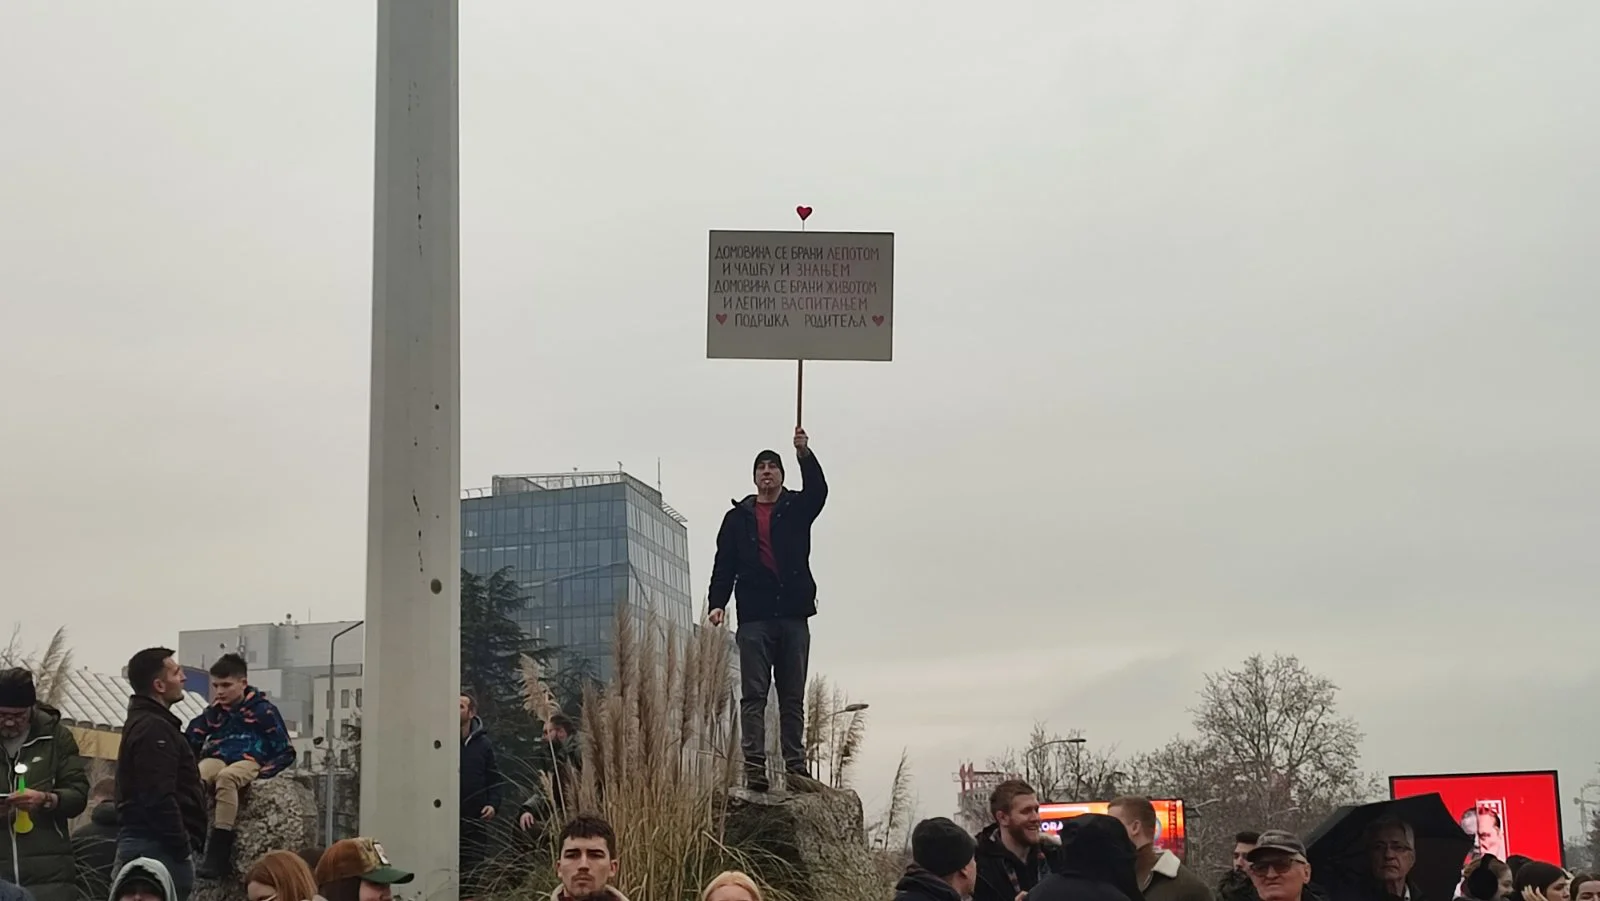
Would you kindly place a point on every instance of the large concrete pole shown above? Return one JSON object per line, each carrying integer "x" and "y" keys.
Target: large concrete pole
{"x": 410, "y": 747}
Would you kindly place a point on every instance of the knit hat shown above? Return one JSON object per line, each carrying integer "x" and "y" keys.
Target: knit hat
{"x": 767, "y": 456}
{"x": 941, "y": 847}
{"x": 16, "y": 688}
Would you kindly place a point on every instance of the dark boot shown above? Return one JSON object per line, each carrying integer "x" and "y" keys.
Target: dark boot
{"x": 800, "y": 782}
{"x": 219, "y": 855}
{"x": 755, "y": 777}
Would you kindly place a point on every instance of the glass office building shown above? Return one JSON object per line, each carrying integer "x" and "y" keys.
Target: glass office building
{"x": 584, "y": 546}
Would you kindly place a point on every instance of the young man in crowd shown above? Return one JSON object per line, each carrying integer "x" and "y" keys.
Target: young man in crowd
{"x": 1235, "y": 884}
{"x": 1012, "y": 854}
{"x": 1162, "y": 877}
{"x": 943, "y": 863}
{"x": 94, "y": 844}
{"x": 764, "y": 560}
{"x": 33, "y": 738}
{"x": 159, "y": 793}
{"x": 559, "y": 757}
{"x": 239, "y": 738}
{"x": 588, "y": 861}
{"x": 143, "y": 879}
{"x": 480, "y": 794}
{"x": 1279, "y": 868}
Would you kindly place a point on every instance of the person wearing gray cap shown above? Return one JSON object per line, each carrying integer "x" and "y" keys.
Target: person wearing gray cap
{"x": 1279, "y": 869}
{"x": 944, "y": 863}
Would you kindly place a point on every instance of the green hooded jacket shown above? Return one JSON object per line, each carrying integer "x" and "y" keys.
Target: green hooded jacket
{"x": 42, "y": 861}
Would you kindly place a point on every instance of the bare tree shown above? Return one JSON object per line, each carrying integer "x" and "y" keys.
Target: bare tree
{"x": 1271, "y": 752}
{"x": 1064, "y": 768}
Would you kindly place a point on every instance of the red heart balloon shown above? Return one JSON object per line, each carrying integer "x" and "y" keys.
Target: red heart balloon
{"x": 721, "y": 318}
{"x": 877, "y": 320}
{"x": 804, "y": 212}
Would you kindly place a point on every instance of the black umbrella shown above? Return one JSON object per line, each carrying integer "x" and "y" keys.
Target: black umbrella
{"x": 1339, "y": 854}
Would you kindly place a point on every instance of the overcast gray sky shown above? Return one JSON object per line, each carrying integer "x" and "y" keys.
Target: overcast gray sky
{"x": 1222, "y": 328}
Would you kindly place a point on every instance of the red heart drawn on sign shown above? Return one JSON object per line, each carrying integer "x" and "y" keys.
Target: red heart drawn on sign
{"x": 877, "y": 320}
{"x": 721, "y": 318}
{"x": 804, "y": 212}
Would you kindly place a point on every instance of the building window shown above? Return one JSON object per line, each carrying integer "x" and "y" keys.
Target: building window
{"x": 344, "y": 757}
{"x": 344, "y": 699}
{"x": 311, "y": 722}
{"x": 358, "y": 697}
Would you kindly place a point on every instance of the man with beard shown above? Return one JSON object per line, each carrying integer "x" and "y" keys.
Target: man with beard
{"x": 1012, "y": 855}
{"x": 38, "y": 750}
{"x": 588, "y": 861}
{"x": 159, "y": 793}
{"x": 943, "y": 867}
{"x": 1235, "y": 884}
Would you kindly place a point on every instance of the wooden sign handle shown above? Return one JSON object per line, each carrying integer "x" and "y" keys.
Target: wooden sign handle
{"x": 799, "y": 391}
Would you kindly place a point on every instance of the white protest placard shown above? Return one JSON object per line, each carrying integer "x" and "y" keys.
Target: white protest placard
{"x": 798, "y": 295}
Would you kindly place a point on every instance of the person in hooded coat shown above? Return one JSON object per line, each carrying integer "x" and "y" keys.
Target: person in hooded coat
{"x": 1095, "y": 862}
{"x": 944, "y": 863}
{"x": 143, "y": 879}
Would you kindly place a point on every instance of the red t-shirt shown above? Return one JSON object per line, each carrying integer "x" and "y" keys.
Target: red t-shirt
{"x": 764, "y": 536}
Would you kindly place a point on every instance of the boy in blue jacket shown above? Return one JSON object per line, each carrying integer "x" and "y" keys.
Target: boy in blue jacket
{"x": 238, "y": 739}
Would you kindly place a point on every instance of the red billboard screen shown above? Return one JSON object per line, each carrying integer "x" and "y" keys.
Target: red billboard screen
{"x": 1506, "y": 813}
{"x": 1170, "y": 827}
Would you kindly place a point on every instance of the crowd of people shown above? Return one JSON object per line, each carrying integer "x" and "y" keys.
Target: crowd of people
{"x": 1114, "y": 857}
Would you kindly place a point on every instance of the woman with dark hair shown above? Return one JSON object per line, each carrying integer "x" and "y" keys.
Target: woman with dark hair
{"x": 1540, "y": 881}
{"x": 1585, "y": 887}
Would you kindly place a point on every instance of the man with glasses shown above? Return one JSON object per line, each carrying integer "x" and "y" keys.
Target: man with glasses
{"x": 1392, "y": 851}
{"x": 1279, "y": 869}
{"x": 38, "y": 752}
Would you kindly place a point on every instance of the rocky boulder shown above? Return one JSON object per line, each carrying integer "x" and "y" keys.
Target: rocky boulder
{"x": 276, "y": 814}
{"x": 820, "y": 835}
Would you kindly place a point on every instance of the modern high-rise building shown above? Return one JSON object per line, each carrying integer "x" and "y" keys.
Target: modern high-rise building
{"x": 583, "y": 547}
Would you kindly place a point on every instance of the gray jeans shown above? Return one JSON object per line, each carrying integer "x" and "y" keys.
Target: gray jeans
{"x": 774, "y": 651}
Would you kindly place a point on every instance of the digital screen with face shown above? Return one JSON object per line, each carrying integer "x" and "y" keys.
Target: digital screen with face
{"x": 1169, "y": 820}
{"x": 1505, "y": 813}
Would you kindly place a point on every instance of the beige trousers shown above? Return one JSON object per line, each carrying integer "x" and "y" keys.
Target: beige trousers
{"x": 227, "y": 780}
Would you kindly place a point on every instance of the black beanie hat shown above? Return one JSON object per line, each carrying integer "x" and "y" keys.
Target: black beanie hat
{"x": 767, "y": 456}
{"x": 16, "y": 688}
{"x": 941, "y": 847}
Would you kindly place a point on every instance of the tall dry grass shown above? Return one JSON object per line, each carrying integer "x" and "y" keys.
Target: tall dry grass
{"x": 51, "y": 667}
{"x": 659, "y": 753}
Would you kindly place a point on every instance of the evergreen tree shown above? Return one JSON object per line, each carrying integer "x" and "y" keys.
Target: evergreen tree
{"x": 492, "y": 645}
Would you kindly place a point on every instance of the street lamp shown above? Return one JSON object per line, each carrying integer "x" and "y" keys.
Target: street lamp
{"x": 1076, "y": 741}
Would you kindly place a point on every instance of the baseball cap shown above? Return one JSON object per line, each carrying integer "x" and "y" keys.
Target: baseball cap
{"x": 1276, "y": 841}
{"x": 359, "y": 858}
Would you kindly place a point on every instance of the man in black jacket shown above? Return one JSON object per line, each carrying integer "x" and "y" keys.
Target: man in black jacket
{"x": 159, "y": 793}
{"x": 764, "y": 560}
{"x": 480, "y": 795}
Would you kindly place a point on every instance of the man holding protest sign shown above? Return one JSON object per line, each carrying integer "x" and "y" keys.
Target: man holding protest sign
{"x": 764, "y": 559}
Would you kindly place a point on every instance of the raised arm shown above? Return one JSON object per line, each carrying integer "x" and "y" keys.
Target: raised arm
{"x": 813, "y": 493}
